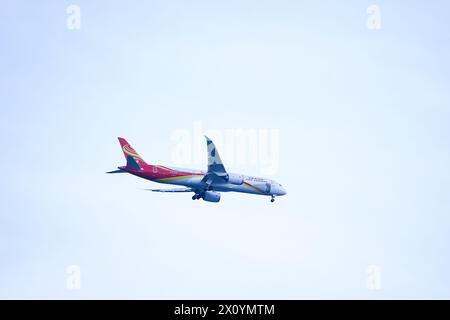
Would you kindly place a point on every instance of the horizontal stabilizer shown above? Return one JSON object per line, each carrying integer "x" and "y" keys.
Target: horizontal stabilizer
{"x": 117, "y": 171}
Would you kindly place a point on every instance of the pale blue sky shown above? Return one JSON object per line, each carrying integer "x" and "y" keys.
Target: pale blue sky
{"x": 363, "y": 117}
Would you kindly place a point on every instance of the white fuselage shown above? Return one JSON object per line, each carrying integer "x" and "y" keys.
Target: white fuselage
{"x": 250, "y": 184}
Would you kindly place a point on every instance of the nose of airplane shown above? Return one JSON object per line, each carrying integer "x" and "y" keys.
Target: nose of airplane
{"x": 282, "y": 191}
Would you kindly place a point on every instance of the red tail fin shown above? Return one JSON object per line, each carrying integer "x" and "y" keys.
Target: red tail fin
{"x": 134, "y": 160}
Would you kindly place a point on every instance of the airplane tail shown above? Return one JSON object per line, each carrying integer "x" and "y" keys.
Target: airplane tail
{"x": 134, "y": 160}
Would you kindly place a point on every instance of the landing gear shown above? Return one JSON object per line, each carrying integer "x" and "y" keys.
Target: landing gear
{"x": 273, "y": 198}
{"x": 196, "y": 196}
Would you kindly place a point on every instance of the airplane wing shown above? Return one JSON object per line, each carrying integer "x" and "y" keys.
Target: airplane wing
{"x": 216, "y": 171}
{"x": 172, "y": 190}
{"x": 215, "y": 164}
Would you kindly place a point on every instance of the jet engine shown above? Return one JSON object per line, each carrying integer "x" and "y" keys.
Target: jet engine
{"x": 211, "y": 196}
{"x": 234, "y": 178}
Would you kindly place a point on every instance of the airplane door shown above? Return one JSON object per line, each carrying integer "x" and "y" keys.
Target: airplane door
{"x": 268, "y": 187}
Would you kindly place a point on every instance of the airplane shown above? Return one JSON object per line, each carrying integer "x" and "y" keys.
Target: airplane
{"x": 205, "y": 185}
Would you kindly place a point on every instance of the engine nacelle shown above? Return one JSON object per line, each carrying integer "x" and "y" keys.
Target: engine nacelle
{"x": 211, "y": 196}
{"x": 234, "y": 178}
